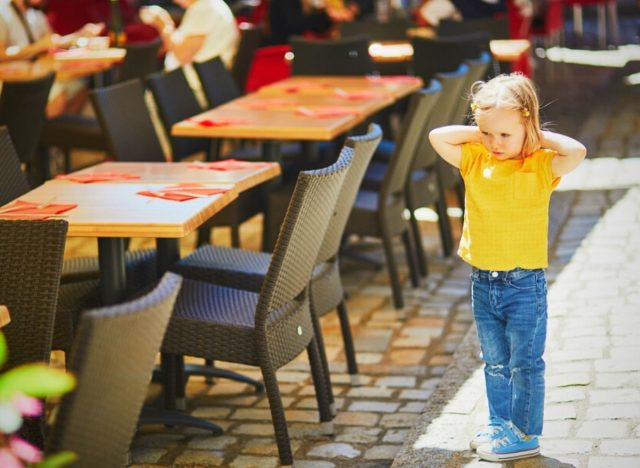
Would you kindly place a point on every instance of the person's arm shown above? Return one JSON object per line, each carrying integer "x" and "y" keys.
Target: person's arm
{"x": 570, "y": 152}
{"x": 20, "y": 53}
{"x": 88, "y": 30}
{"x": 448, "y": 141}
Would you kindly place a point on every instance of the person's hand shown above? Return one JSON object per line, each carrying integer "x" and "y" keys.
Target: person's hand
{"x": 91, "y": 30}
{"x": 156, "y": 16}
{"x": 43, "y": 44}
{"x": 339, "y": 15}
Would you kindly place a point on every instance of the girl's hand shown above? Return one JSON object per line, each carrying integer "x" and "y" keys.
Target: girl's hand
{"x": 570, "y": 152}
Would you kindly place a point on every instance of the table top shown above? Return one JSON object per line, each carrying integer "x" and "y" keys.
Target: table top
{"x": 183, "y": 172}
{"x": 116, "y": 210}
{"x": 504, "y": 50}
{"x": 318, "y": 109}
{"x": 67, "y": 65}
{"x": 5, "y": 318}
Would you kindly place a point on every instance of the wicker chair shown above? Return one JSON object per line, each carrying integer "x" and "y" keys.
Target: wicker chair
{"x": 115, "y": 349}
{"x": 233, "y": 267}
{"x": 348, "y": 56}
{"x": 25, "y": 126}
{"x": 31, "y": 257}
{"x": 270, "y": 328}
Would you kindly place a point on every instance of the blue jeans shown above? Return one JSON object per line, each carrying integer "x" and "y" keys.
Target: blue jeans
{"x": 510, "y": 310}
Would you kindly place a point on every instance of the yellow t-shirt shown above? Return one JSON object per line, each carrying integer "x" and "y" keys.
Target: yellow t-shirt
{"x": 506, "y": 209}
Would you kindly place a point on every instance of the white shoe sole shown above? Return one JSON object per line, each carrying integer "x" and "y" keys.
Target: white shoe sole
{"x": 498, "y": 457}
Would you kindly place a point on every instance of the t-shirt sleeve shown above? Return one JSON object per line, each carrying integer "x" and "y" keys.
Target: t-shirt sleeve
{"x": 469, "y": 153}
{"x": 199, "y": 19}
{"x": 545, "y": 160}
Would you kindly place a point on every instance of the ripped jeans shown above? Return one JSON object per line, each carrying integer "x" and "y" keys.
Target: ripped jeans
{"x": 510, "y": 310}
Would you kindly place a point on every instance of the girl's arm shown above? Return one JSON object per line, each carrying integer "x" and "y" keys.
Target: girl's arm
{"x": 570, "y": 152}
{"x": 447, "y": 141}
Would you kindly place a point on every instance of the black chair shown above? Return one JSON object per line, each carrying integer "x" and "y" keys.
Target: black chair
{"x": 435, "y": 55}
{"x": 380, "y": 213}
{"x": 348, "y": 56}
{"x": 142, "y": 59}
{"x": 217, "y": 82}
{"x": 269, "y": 329}
{"x": 31, "y": 255}
{"x": 393, "y": 30}
{"x": 112, "y": 358}
{"x": 250, "y": 39}
{"x": 22, "y": 110}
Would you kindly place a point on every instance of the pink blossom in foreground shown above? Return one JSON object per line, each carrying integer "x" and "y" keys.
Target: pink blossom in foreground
{"x": 27, "y": 405}
{"x": 24, "y": 450}
{"x": 9, "y": 460}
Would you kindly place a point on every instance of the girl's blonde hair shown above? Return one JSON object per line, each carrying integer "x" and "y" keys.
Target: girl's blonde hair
{"x": 513, "y": 91}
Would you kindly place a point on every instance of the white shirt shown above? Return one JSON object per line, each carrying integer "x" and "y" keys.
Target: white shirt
{"x": 12, "y": 32}
{"x": 214, "y": 20}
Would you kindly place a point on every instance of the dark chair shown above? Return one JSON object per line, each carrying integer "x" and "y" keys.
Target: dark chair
{"x": 270, "y": 328}
{"x": 142, "y": 59}
{"x": 250, "y": 38}
{"x": 31, "y": 255}
{"x": 380, "y": 213}
{"x": 25, "y": 126}
{"x": 348, "y": 56}
{"x": 13, "y": 182}
{"x": 217, "y": 82}
{"x": 247, "y": 269}
{"x": 112, "y": 358}
{"x": 393, "y": 30}
{"x": 435, "y": 55}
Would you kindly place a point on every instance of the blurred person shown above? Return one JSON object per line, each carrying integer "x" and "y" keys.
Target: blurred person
{"x": 431, "y": 12}
{"x": 25, "y": 34}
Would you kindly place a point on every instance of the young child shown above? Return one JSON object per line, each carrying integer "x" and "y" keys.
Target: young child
{"x": 509, "y": 167}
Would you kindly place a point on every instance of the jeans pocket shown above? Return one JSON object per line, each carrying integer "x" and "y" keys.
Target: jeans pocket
{"x": 524, "y": 283}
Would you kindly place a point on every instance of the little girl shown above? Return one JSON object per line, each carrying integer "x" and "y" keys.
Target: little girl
{"x": 509, "y": 167}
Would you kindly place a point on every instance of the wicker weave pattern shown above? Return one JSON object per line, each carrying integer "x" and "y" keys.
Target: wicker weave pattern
{"x": 13, "y": 181}
{"x": 113, "y": 356}
{"x": 31, "y": 258}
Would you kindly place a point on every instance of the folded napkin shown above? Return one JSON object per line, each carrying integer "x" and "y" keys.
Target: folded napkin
{"x": 325, "y": 112}
{"x": 219, "y": 122}
{"x": 358, "y": 95}
{"x": 28, "y": 210}
{"x": 183, "y": 192}
{"x": 393, "y": 79}
{"x": 227, "y": 165}
{"x": 88, "y": 178}
{"x": 301, "y": 85}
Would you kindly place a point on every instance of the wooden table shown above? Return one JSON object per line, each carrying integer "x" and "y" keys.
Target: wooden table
{"x": 67, "y": 65}
{"x": 183, "y": 172}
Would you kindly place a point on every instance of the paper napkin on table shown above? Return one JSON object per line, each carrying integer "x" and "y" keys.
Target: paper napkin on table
{"x": 325, "y": 112}
{"x": 218, "y": 122}
{"x": 183, "y": 192}
{"x": 227, "y": 165}
{"x": 88, "y": 178}
{"x": 28, "y": 210}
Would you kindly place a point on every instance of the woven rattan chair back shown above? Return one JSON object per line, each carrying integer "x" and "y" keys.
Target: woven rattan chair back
{"x": 394, "y": 30}
{"x": 113, "y": 356}
{"x": 31, "y": 255}
{"x": 478, "y": 69}
{"x": 141, "y": 60}
{"x": 250, "y": 38}
{"x": 436, "y": 55}
{"x": 13, "y": 182}
{"x": 363, "y": 147}
{"x": 176, "y": 101}
{"x": 312, "y": 205}
{"x": 22, "y": 109}
{"x": 126, "y": 122}
{"x": 348, "y": 56}
{"x": 217, "y": 82}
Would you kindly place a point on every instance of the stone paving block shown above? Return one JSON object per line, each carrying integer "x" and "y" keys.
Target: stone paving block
{"x": 625, "y": 395}
{"x": 579, "y": 354}
{"x": 415, "y": 394}
{"x": 395, "y": 435}
{"x": 370, "y": 392}
{"x": 620, "y": 447}
{"x": 253, "y": 414}
{"x": 200, "y": 458}
{"x": 382, "y": 452}
{"x": 147, "y": 455}
{"x": 398, "y": 420}
{"x": 156, "y": 440}
{"x": 407, "y": 356}
{"x": 313, "y": 464}
{"x": 249, "y": 461}
{"x": 566, "y": 394}
{"x": 334, "y": 450}
{"x": 554, "y": 412}
{"x": 618, "y": 380}
{"x": 566, "y": 446}
{"x": 374, "y": 406}
{"x": 253, "y": 429}
{"x": 211, "y": 442}
{"x": 627, "y": 364}
{"x": 413, "y": 407}
{"x": 621, "y": 411}
{"x": 567, "y": 380}
{"x": 359, "y": 435}
{"x": 556, "y": 429}
{"x": 356, "y": 419}
{"x": 570, "y": 367}
{"x": 397, "y": 381}
{"x": 267, "y": 447}
{"x": 611, "y": 462}
{"x": 603, "y": 429}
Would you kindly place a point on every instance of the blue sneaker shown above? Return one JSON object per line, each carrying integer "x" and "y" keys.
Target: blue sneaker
{"x": 486, "y": 435}
{"x": 509, "y": 444}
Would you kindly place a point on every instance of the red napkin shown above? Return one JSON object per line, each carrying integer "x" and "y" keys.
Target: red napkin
{"x": 267, "y": 103}
{"x": 325, "y": 112}
{"x": 300, "y": 85}
{"x": 183, "y": 192}
{"x": 358, "y": 95}
{"x": 227, "y": 165}
{"x": 219, "y": 122}
{"x": 28, "y": 210}
{"x": 88, "y": 178}
{"x": 393, "y": 79}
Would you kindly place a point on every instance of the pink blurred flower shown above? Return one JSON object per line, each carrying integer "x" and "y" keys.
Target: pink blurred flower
{"x": 9, "y": 460}
{"x": 28, "y": 406}
{"x": 24, "y": 450}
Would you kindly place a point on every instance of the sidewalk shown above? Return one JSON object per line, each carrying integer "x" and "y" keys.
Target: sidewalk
{"x": 592, "y": 412}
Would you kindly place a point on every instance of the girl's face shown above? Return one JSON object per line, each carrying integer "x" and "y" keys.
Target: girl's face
{"x": 502, "y": 132}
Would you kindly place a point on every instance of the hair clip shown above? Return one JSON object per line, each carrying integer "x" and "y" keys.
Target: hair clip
{"x": 526, "y": 113}
{"x": 474, "y": 107}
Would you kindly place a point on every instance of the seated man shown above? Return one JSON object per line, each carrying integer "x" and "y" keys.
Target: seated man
{"x": 25, "y": 34}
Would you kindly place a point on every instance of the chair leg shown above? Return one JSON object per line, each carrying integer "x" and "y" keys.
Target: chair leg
{"x": 421, "y": 256}
{"x": 235, "y": 236}
{"x": 409, "y": 248}
{"x": 324, "y": 362}
{"x": 444, "y": 226}
{"x": 347, "y": 338}
{"x": 392, "y": 267}
{"x": 320, "y": 381}
{"x": 204, "y": 236}
{"x": 277, "y": 414}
